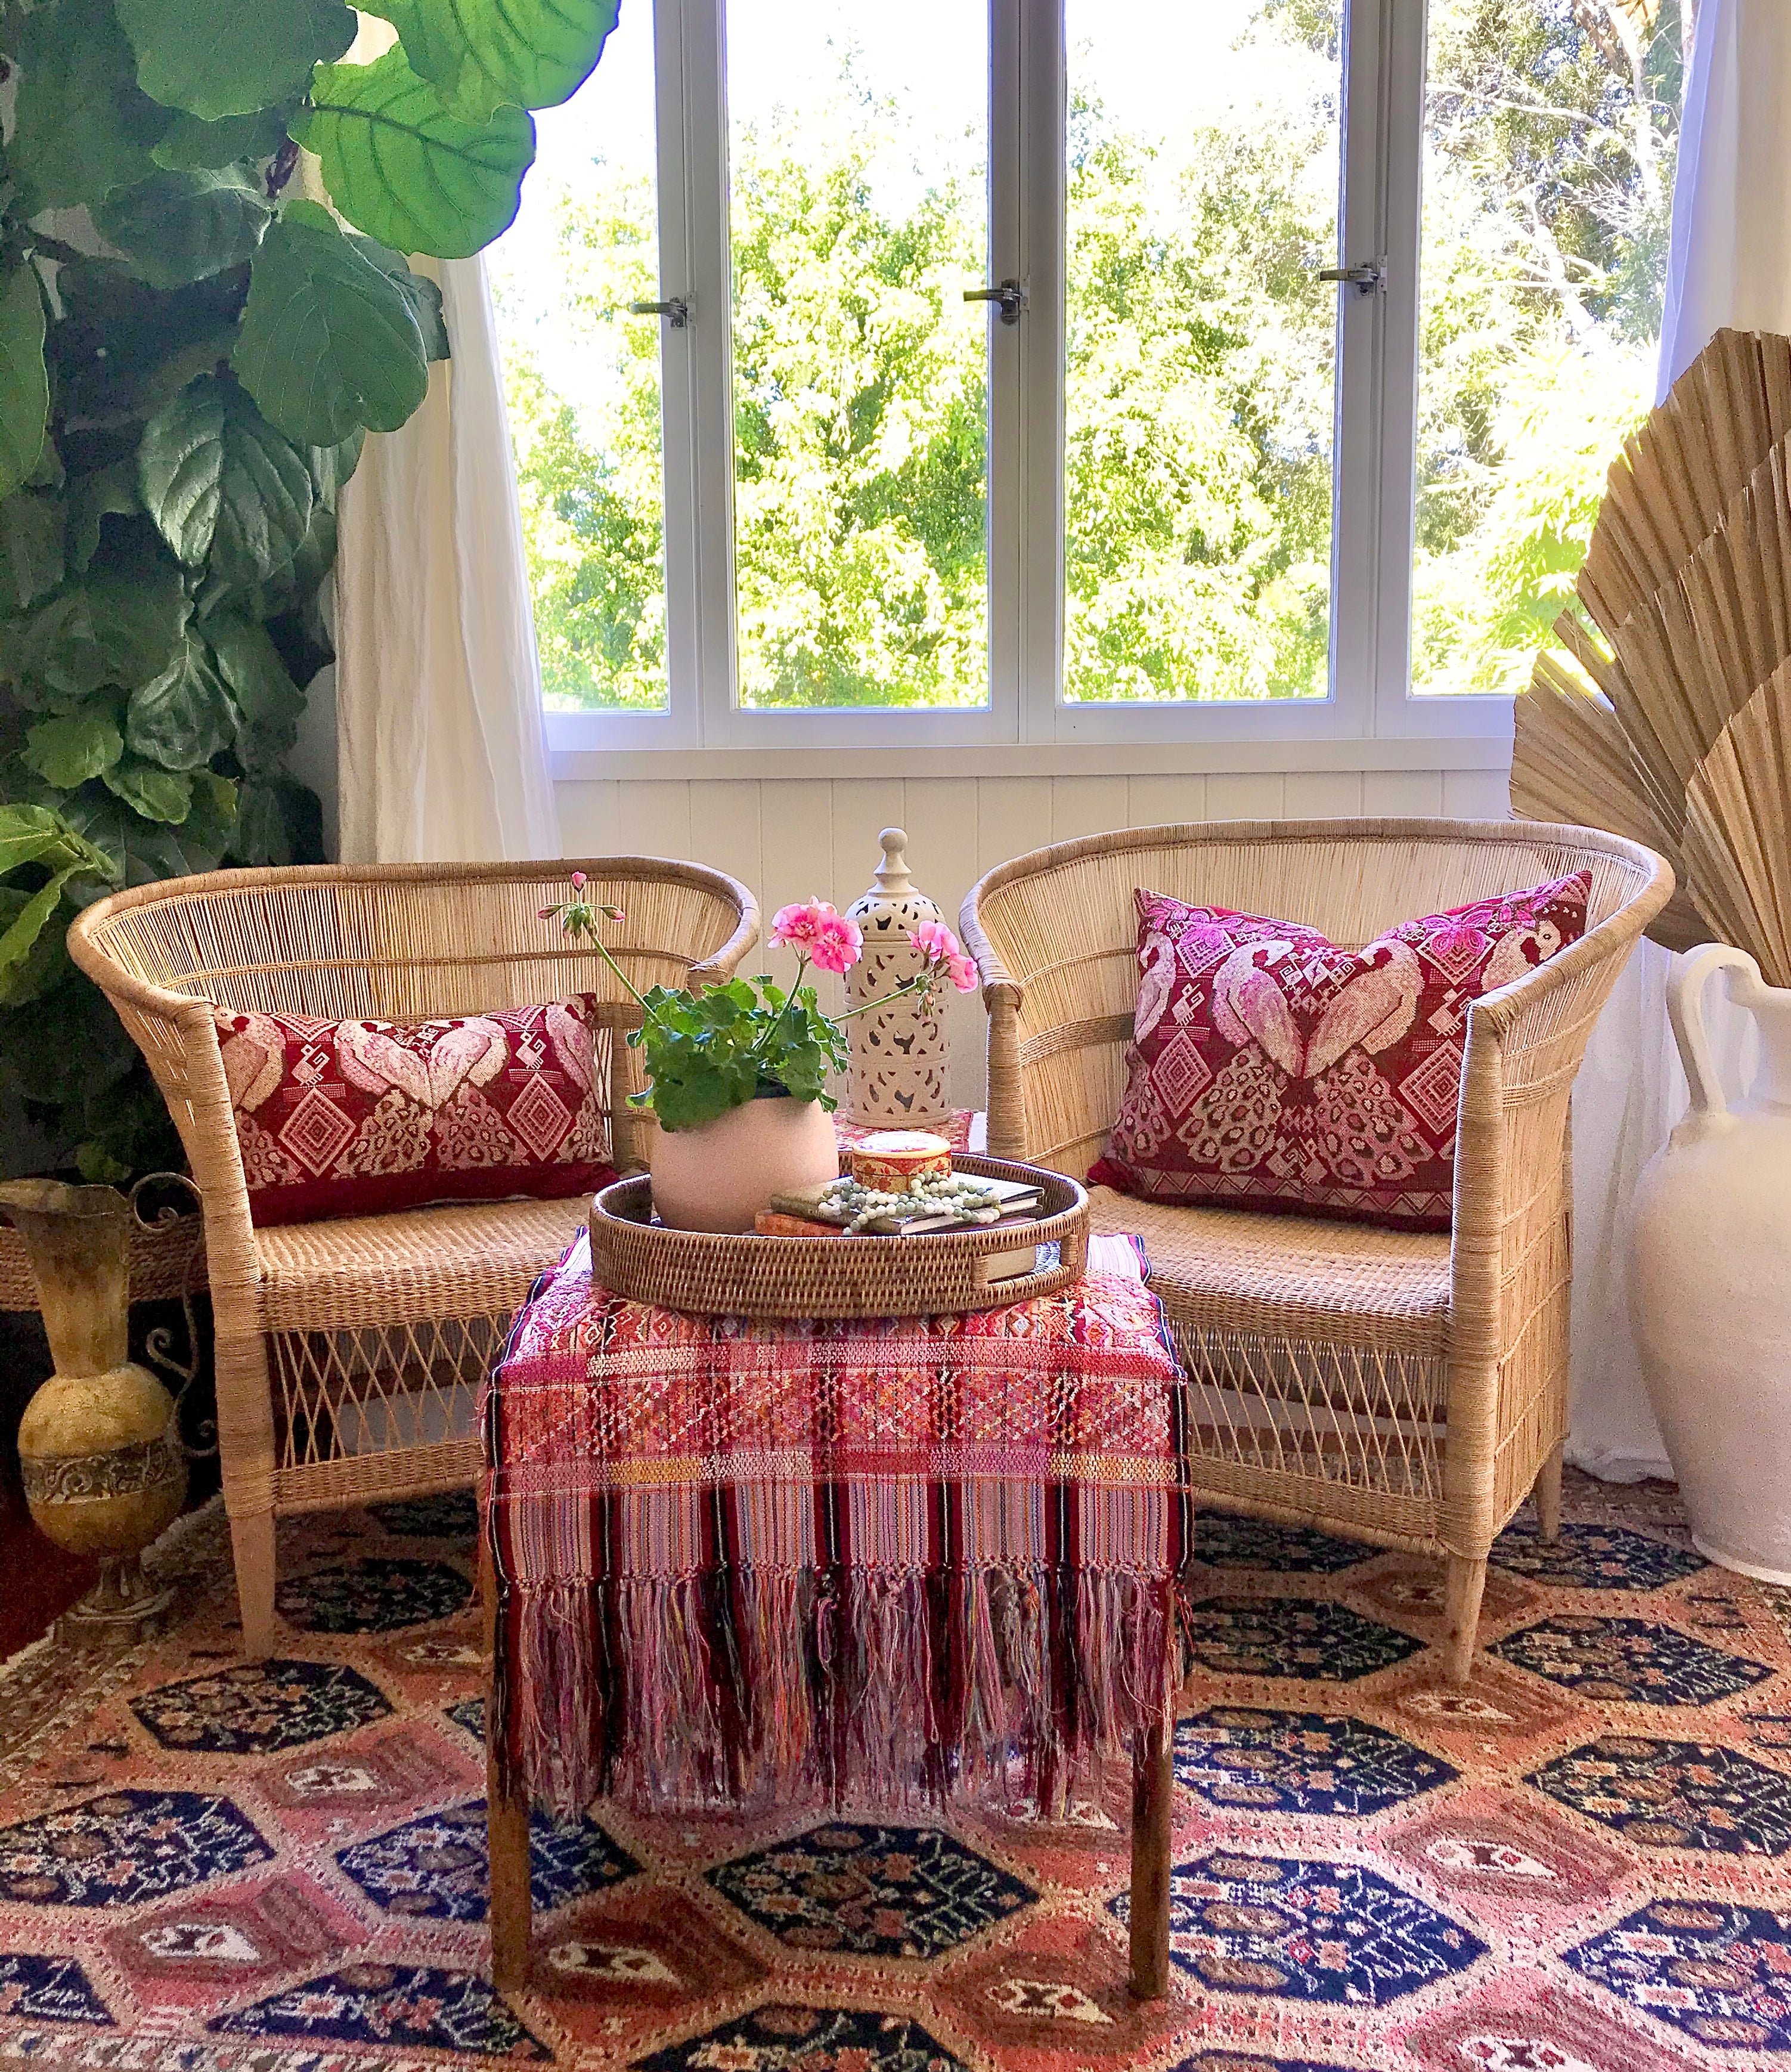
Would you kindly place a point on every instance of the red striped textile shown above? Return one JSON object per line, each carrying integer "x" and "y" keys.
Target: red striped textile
{"x": 907, "y": 1559}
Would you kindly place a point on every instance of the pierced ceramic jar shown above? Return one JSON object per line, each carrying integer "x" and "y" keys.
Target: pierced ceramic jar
{"x": 1711, "y": 1280}
{"x": 898, "y": 1060}
{"x": 718, "y": 1176}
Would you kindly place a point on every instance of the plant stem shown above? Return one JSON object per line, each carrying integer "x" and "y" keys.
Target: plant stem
{"x": 920, "y": 982}
{"x": 598, "y": 945}
{"x": 764, "y": 1043}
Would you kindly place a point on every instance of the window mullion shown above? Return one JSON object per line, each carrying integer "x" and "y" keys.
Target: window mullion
{"x": 698, "y": 359}
{"x": 1043, "y": 98}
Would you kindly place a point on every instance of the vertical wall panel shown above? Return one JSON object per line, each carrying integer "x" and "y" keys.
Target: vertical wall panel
{"x": 1386, "y": 793}
{"x": 1321, "y": 795}
{"x": 1155, "y": 802}
{"x": 1087, "y": 806}
{"x": 1476, "y": 794}
{"x": 653, "y": 819}
{"x": 588, "y": 816}
{"x": 1253, "y": 796}
{"x": 941, "y": 821}
{"x": 1013, "y": 815}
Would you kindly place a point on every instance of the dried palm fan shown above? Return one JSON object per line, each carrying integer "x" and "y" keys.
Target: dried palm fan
{"x": 1679, "y": 474}
{"x": 1737, "y": 842}
{"x": 1690, "y": 656}
{"x": 1572, "y": 761}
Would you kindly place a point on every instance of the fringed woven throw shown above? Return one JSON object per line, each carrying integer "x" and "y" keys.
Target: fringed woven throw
{"x": 909, "y": 1560}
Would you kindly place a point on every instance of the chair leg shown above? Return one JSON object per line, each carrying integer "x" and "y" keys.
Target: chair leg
{"x": 1467, "y": 1585}
{"x": 1152, "y": 1806}
{"x": 1548, "y": 1495}
{"x": 251, "y": 1541}
{"x": 507, "y": 1830}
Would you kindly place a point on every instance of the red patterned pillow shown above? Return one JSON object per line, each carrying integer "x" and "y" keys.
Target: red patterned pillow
{"x": 355, "y": 1118}
{"x": 1270, "y": 1070}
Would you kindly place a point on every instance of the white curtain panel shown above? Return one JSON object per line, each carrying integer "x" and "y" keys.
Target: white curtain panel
{"x": 440, "y": 754}
{"x": 1730, "y": 264}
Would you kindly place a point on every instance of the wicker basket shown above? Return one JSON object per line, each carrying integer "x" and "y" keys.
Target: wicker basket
{"x": 933, "y": 1273}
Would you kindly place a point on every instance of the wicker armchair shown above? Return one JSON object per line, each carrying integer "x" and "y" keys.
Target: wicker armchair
{"x": 1407, "y": 1389}
{"x": 349, "y": 1353}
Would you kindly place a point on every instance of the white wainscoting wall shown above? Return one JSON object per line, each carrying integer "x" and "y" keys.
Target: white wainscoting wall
{"x": 790, "y": 837}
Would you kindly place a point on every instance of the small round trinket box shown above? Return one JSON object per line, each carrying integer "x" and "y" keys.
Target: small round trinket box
{"x": 893, "y": 1157}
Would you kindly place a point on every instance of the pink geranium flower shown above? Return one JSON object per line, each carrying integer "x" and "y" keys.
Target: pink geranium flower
{"x": 829, "y": 940}
{"x": 934, "y": 940}
{"x": 964, "y": 974}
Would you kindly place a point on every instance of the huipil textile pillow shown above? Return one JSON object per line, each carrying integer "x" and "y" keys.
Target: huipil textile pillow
{"x": 1270, "y": 1070}
{"x": 357, "y": 1118}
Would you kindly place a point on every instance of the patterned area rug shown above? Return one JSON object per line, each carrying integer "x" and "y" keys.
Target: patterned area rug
{"x": 1580, "y": 1864}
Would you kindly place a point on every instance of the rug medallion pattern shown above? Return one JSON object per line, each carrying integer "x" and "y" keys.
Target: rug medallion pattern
{"x": 1581, "y": 1863}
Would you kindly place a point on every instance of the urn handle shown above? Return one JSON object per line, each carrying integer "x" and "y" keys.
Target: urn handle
{"x": 1685, "y": 994}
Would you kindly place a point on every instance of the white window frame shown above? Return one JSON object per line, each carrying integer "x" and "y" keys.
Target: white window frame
{"x": 1373, "y": 450}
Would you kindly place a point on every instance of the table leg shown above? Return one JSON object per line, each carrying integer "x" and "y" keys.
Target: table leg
{"x": 1153, "y": 1803}
{"x": 506, "y": 1827}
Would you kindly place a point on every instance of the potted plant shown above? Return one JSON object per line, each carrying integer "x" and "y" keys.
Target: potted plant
{"x": 739, "y": 1071}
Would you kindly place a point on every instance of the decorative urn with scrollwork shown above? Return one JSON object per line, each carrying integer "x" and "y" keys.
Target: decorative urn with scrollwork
{"x": 898, "y": 1053}
{"x": 103, "y": 1466}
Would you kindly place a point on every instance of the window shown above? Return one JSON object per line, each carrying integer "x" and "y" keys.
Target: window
{"x": 956, "y": 374}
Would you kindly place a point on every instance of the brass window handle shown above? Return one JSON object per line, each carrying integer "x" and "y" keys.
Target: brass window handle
{"x": 676, "y": 311}
{"x": 1010, "y": 294}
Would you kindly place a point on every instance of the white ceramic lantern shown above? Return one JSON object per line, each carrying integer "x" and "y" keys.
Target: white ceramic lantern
{"x": 898, "y": 1060}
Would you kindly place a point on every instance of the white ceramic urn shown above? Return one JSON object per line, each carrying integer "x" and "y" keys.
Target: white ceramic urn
{"x": 1711, "y": 1280}
{"x": 899, "y": 1060}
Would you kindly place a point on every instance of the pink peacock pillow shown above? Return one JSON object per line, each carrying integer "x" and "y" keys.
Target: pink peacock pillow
{"x": 356, "y": 1118}
{"x": 1270, "y": 1070}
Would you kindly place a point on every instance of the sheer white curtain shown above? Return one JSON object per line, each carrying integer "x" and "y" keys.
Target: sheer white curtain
{"x": 441, "y": 753}
{"x": 1730, "y": 264}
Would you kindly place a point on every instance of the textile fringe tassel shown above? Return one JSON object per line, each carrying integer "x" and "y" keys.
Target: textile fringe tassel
{"x": 797, "y": 1686}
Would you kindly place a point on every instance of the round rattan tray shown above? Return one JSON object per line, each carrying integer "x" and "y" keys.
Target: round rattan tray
{"x": 934, "y": 1273}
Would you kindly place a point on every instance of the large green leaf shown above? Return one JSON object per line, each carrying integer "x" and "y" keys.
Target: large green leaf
{"x": 267, "y": 701}
{"x": 179, "y": 227}
{"x": 42, "y": 962}
{"x": 332, "y": 466}
{"x": 184, "y": 717}
{"x": 36, "y": 834}
{"x": 231, "y": 57}
{"x": 418, "y": 289}
{"x": 329, "y": 343}
{"x": 67, "y": 751}
{"x": 24, "y": 380}
{"x": 118, "y": 626}
{"x": 30, "y": 548}
{"x": 480, "y": 54}
{"x": 108, "y": 492}
{"x": 403, "y": 170}
{"x": 143, "y": 850}
{"x": 188, "y": 142}
{"x": 70, "y": 1045}
{"x": 147, "y": 789}
{"x": 82, "y": 126}
{"x": 223, "y": 485}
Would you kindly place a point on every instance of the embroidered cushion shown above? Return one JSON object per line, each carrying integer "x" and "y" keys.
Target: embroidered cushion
{"x": 1270, "y": 1070}
{"x": 355, "y": 1118}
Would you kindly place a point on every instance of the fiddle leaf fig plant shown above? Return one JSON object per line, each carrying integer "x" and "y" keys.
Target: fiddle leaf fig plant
{"x": 195, "y": 340}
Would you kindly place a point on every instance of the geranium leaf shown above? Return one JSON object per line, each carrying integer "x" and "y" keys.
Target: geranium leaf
{"x": 232, "y": 57}
{"x": 225, "y": 489}
{"x": 479, "y": 55}
{"x": 66, "y": 751}
{"x": 403, "y": 170}
{"x": 189, "y": 143}
{"x": 24, "y": 380}
{"x": 181, "y": 226}
{"x": 329, "y": 343}
{"x": 83, "y": 125}
{"x": 184, "y": 717}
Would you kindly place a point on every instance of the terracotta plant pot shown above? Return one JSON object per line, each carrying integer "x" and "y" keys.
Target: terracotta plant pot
{"x": 718, "y": 1176}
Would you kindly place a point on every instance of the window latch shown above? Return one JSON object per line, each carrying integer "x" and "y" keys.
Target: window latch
{"x": 1365, "y": 280}
{"x": 676, "y": 311}
{"x": 1010, "y": 294}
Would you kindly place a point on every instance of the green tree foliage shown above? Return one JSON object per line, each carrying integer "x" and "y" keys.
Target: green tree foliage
{"x": 1200, "y": 352}
{"x": 190, "y": 354}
